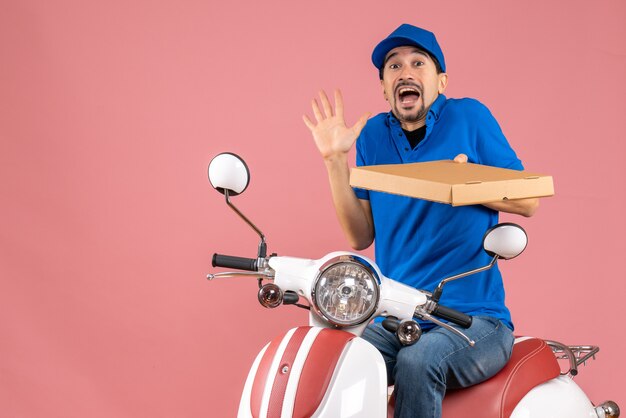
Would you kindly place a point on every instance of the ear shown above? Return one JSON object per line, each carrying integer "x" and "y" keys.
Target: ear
{"x": 382, "y": 86}
{"x": 443, "y": 82}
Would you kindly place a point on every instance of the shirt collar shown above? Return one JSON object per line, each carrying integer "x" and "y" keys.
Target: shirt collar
{"x": 437, "y": 106}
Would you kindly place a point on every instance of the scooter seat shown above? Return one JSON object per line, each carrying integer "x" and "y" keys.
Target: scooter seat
{"x": 532, "y": 363}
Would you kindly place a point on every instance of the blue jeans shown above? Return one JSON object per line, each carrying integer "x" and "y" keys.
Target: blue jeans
{"x": 439, "y": 360}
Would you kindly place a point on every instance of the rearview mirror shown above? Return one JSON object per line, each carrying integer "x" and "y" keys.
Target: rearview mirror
{"x": 228, "y": 171}
{"x": 506, "y": 240}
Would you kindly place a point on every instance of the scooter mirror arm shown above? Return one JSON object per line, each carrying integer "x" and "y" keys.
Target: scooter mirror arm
{"x": 262, "y": 245}
{"x": 421, "y": 314}
{"x": 437, "y": 292}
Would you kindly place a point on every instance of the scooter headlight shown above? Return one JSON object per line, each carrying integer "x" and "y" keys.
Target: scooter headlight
{"x": 346, "y": 291}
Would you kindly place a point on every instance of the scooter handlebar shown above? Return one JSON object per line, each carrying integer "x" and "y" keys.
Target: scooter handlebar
{"x": 233, "y": 262}
{"x": 452, "y": 315}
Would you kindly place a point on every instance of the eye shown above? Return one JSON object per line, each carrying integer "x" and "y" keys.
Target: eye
{"x": 418, "y": 63}
{"x": 394, "y": 66}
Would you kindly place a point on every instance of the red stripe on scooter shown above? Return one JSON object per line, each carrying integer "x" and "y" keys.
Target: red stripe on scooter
{"x": 277, "y": 395}
{"x": 260, "y": 377}
{"x": 318, "y": 370}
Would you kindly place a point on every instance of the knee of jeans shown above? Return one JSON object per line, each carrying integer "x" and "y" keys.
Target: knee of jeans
{"x": 415, "y": 364}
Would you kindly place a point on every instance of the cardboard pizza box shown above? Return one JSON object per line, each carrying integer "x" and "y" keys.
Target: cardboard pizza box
{"x": 454, "y": 183}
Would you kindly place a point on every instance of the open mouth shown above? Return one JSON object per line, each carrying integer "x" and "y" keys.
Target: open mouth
{"x": 408, "y": 95}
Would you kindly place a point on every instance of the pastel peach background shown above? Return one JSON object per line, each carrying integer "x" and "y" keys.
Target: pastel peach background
{"x": 111, "y": 110}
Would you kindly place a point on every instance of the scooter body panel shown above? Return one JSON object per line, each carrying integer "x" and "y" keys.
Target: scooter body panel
{"x": 556, "y": 398}
{"x": 245, "y": 410}
{"x": 315, "y": 372}
{"x": 359, "y": 385}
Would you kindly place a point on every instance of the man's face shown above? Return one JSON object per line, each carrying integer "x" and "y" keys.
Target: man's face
{"x": 411, "y": 84}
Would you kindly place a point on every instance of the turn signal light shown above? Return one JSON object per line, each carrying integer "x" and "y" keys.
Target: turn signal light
{"x": 270, "y": 295}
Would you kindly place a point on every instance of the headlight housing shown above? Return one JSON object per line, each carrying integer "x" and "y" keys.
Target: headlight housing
{"x": 346, "y": 291}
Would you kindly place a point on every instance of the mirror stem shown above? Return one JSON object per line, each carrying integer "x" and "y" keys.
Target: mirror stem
{"x": 262, "y": 244}
{"x": 439, "y": 289}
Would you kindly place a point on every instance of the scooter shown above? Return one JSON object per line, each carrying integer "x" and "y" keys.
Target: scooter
{"x": 326, "y": 370}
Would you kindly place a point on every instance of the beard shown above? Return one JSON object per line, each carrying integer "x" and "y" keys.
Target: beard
{"x": 411, "y": 116}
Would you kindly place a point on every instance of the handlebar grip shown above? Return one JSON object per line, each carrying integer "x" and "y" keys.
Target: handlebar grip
{"x": 239, "y": 263}
{"x": 452, "y": 315}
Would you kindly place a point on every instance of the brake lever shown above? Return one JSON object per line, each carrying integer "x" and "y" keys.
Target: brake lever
{"x": 424, "y": 315}
{"x": 239, "y": 274}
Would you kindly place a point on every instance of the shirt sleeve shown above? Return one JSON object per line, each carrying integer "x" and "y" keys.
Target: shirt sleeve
{"x": 360, "y": 161}
{"x": 493, "y": 147}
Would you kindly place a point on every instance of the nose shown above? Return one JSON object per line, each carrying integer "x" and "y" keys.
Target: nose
{"x": 406, "y": 73}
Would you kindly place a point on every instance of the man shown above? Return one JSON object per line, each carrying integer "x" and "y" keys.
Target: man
{"x": 420, "y": 242}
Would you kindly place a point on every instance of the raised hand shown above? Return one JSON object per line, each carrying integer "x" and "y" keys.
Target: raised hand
{"x": 330, "y": 132}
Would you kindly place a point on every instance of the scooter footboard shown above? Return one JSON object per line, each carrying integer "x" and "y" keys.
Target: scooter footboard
{"x": 315, "y": 372}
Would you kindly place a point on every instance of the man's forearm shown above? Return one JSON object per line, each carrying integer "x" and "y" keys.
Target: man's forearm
{"x": 524, "y": 207}
{"x": 354, "y": 216}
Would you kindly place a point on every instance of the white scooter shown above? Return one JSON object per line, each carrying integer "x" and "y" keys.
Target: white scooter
{"x": 326, "y": 370}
